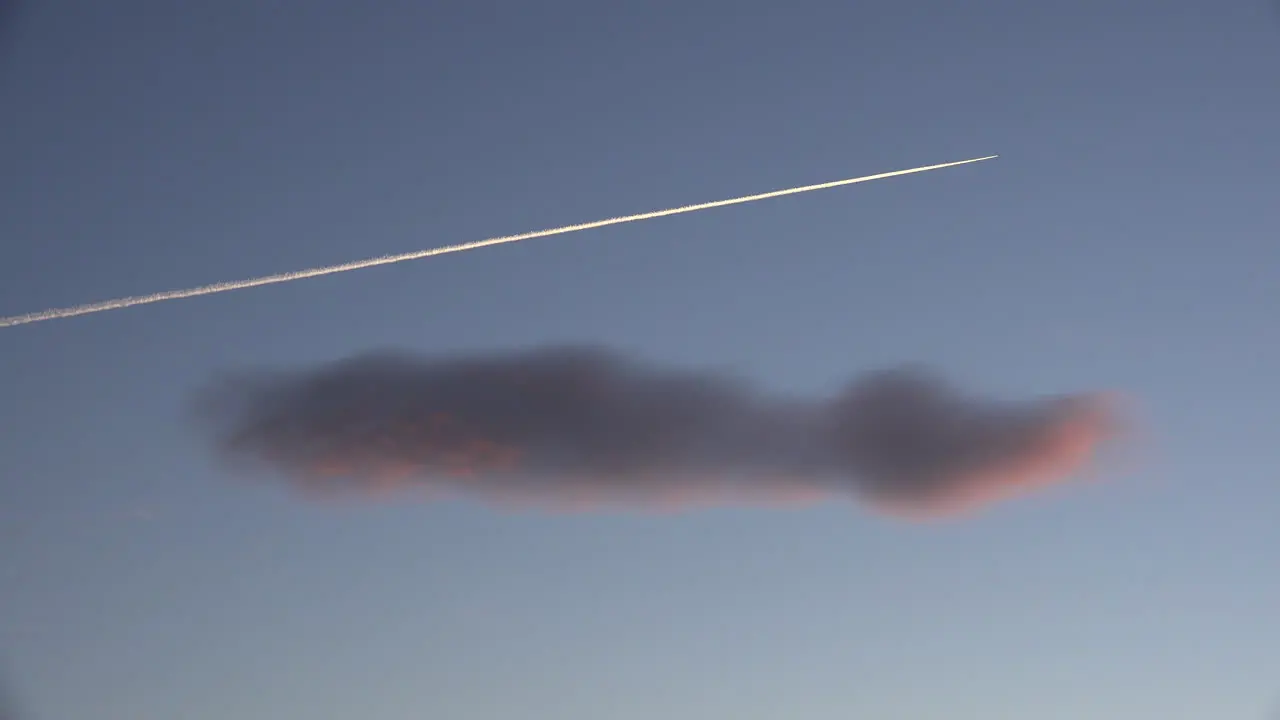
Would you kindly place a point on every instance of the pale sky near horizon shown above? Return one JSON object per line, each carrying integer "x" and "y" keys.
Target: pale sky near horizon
{"x": 1127, "y": 238}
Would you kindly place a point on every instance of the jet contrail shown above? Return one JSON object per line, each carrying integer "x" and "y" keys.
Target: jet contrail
{"x": 125, "y": 302}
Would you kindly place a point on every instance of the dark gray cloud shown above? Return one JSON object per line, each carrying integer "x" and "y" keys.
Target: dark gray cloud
{"x": 578, "y": 427}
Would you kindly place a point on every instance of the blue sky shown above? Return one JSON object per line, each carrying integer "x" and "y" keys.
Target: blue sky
{"x": 1126, "y": 238}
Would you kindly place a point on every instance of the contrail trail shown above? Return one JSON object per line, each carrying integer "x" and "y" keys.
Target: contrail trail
{"x": 125, "y": 302}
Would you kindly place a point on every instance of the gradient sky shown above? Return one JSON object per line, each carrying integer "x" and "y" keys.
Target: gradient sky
{"x": 1128, "y": 238}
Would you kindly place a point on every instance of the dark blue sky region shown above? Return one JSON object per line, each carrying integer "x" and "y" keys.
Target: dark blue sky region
{"x": 1126, "y": 239}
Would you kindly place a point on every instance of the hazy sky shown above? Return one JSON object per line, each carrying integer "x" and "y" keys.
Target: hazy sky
{"x": 1126, "y": 239}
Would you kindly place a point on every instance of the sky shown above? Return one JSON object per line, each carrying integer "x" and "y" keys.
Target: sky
{"x": 1124, "y": 240}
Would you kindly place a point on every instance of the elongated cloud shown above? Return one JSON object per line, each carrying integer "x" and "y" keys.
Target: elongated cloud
{"x": 125, "y": 302}
{"x": 576, "y": 427}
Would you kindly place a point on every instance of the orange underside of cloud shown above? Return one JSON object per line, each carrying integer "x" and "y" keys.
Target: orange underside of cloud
{"x": 439, "y": 459}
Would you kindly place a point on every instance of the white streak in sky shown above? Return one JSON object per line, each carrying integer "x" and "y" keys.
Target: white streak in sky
{"x": 125, "y": 302}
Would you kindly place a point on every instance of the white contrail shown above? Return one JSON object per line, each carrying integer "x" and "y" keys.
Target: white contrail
{"x": 124, "y": 302}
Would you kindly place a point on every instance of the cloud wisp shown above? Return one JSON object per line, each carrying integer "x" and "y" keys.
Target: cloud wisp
{"x": 577, "y": 428}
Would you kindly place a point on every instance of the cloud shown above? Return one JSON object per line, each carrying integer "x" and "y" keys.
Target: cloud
{"x": 579, "y": 427}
